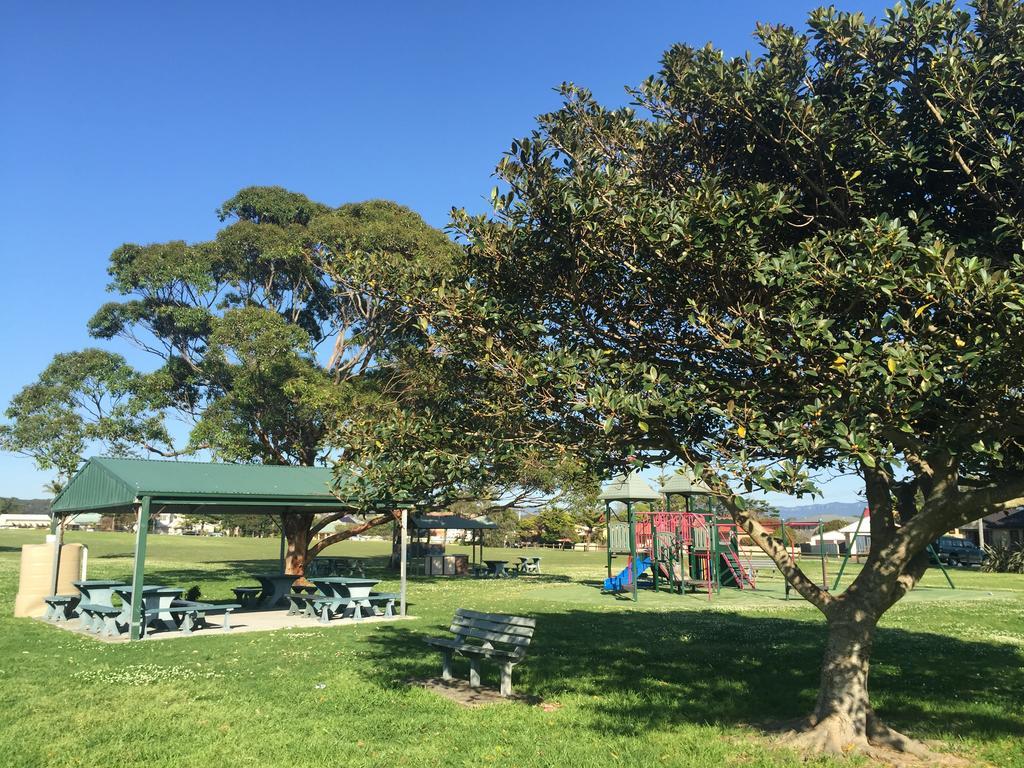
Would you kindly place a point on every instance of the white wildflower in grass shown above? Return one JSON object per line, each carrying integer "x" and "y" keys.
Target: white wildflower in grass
{"x": 145, "y": 674}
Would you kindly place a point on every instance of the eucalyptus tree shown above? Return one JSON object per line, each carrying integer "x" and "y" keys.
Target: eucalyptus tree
{"x": 809, "y": 258}
{"x": 274, "y": 333}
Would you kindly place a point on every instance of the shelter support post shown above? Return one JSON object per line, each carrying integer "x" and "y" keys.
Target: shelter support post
{"x": 402, "y": 561}
{"x": 284, "y": 545}
{"x": 632, "y": 547}
{"x": 139, "y": 568}
{"x": 608, "y": 534}
{"x": 57, "y": 531}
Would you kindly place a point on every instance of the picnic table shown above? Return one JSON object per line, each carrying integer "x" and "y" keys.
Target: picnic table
{"x": 529, "y": 564}
{"x": 358, "y": 592}
{"x": 94, "y": 592}
{"x": 337, "y": 566}
{"x": 275, "y": 587}
{"x": 98, "y": 591}
{"x": 156, "y": 601}
{"x": 497, "y": 568}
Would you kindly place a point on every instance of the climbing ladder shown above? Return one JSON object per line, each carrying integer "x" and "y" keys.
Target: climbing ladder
{"x": 735, "y": 571}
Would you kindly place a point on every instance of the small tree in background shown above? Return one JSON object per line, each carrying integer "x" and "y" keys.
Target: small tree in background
{"x": 88, "y": 400}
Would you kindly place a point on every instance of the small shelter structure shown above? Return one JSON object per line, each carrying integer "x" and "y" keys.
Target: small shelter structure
{"x": 435, "y": 561}
{"x": 145, "y": 487}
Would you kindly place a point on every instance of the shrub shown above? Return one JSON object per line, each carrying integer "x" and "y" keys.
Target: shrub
{"x": 1004, "y": 560}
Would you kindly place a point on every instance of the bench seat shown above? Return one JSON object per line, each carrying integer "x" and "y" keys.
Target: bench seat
{"x": 96, "y": 617}
{"x": 247, "y": 595}
{"x": 60, "y": 607}
{"x": 385, "y": 599}
{"x": 478, "y": 635}
{"x": 193, "y": 614}
{"x": 321, "y": 606}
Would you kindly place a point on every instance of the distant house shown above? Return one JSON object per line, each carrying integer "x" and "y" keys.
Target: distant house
{"x": 830, "y": 537}
{"x": 35, "y": 520}
{"x": 24, "y": 520}
{"x": 857, "y": 535}
{"x": 1001, "y": 529}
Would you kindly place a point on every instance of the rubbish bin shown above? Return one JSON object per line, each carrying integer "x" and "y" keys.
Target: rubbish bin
{"x": 35, "y": 580}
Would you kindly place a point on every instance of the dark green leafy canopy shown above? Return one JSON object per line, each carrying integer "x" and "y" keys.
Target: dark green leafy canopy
{"x": 781, "y": 263}
{"x": 769, "y": 266}
{"x": 272, "y": 330}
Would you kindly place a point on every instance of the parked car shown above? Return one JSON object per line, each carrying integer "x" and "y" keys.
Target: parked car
{"x": 955, "y": 551}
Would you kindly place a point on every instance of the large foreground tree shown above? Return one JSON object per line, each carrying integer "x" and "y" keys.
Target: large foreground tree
{"x": 807, "y": 259}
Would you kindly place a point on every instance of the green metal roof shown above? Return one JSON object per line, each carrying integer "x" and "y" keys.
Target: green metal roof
{"x": 685, "y": 483}
{"x": 631, "y": 487}
{"x": 110, "y": 484}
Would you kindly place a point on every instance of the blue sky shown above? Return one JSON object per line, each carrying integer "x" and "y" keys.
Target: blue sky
{"x": 132, "y": 122}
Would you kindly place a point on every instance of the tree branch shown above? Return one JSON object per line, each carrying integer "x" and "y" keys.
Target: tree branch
{"x": 334, "y": 538}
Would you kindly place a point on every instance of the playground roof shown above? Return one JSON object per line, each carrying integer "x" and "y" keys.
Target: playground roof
{"x": 684, "y": 483}
{"x": 631, "y": 487}
{"x": 450, "y": 523}
{"x": 116, "y": 485}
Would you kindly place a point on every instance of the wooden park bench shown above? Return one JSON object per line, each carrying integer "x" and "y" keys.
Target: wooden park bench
{"x": 477, "y": 636}
{"x": 60, "y": 607}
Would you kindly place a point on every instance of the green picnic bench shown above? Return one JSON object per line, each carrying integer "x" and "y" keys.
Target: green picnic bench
{"x": 323, "y": 607}
{"x": 497, "y": 636}
{"x": 60, "y": 607}
{"x": 99, "y": 618}
{"x": 247, "y": 596}
{"x": 385, "y": 601}
{"x": 190, "y": 615}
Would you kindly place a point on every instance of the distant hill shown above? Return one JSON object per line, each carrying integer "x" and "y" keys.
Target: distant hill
{"x": 25, "y": 506}
{"x": 832, "y": 510}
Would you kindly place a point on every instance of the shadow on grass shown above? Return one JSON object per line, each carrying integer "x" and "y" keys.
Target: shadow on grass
{"x": 642, "y": 670}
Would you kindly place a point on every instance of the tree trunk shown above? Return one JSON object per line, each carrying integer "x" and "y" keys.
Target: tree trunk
{"x": 843, "y": 720}
{"x": 843, "y": 706}
{"x": 296, "y": 531}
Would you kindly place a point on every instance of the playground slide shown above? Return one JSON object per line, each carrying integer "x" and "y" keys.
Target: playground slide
{"x": 620, "y": 581}
{"x": 675, "y": 577}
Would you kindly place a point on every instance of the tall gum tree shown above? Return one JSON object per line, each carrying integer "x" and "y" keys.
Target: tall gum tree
{"x": 275, "y": 332}
{"x": 770, "y": 265}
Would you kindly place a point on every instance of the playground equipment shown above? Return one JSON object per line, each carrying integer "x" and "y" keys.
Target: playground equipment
{"x": 684, "y": 549}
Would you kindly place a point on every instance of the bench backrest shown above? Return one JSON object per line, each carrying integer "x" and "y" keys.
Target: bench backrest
{"x": 494, "y": 630}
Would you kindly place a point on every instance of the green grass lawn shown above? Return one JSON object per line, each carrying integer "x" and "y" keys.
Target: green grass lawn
{"x": 674, "y": 680}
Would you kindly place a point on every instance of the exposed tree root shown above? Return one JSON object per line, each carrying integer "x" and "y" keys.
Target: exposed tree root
{"x": 838, "y": 735}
